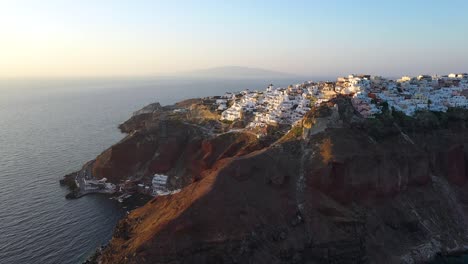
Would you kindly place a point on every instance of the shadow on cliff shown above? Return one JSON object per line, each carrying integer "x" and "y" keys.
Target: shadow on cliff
{"x": 382, "y": 191}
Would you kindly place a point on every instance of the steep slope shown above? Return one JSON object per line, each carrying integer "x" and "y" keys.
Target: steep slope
{"x": 349, "y": 192}
{"x": 172, "y": 141}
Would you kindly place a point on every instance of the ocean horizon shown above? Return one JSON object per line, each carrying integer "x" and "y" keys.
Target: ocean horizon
{"x": 51, "y": 128}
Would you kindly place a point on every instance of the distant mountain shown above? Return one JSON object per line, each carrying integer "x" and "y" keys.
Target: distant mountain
{"x": 238, "y": 72}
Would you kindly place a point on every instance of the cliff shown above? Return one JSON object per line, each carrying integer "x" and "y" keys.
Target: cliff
{"x": 338, "y": 189}
{"x": 172, "y": 141}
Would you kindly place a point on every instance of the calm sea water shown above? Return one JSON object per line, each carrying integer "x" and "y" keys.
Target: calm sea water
{"x": 49, "y": 128}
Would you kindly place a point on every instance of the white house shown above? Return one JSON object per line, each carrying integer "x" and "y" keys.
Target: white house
{"x": 159, "y": 183}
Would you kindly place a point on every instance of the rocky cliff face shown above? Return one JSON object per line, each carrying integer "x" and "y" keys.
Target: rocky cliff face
{"x": 339, "y": 192}
{"x": 175, "y": 144}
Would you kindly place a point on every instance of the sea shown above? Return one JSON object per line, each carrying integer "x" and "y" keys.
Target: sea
{"x": 49, "y": 128}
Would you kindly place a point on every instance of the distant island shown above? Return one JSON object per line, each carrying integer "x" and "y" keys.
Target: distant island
{"x": 363, "y": 169}
{"x": 238, "y": 72}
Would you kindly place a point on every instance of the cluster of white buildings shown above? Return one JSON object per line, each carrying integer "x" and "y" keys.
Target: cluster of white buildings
{"x": 289, "y": 105}
{"x": 359, "y": 87}
{"x": 272, "y": 106}
{"x": 411, "y": 94}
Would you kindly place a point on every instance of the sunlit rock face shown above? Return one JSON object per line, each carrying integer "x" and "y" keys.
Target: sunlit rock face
{"x": 349, "y": 191}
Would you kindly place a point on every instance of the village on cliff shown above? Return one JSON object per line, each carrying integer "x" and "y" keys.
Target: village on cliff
{"x": 289, "y": 105}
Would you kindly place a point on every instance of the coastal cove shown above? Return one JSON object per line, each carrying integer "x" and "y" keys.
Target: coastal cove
{"x": 51, "y": 128}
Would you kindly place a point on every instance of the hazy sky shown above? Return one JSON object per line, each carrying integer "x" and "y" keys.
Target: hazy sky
{"x": 143, "y": 37}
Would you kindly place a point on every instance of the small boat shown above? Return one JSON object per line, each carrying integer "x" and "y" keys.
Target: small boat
{"x": 122, "y": 197}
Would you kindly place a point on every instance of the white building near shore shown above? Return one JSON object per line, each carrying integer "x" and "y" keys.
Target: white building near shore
{"x": 159, "y": 184}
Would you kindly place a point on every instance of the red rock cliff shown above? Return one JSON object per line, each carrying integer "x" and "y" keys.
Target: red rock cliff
{"x": 345, "y": 194}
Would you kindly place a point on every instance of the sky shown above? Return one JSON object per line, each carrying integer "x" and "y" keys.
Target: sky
{"x": 71, "y": 38}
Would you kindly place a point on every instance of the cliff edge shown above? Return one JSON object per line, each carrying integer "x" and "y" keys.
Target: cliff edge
{"x": 336, "y": 188}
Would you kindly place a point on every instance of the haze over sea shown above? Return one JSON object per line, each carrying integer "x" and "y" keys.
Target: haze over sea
{"x": 49, "y": 128}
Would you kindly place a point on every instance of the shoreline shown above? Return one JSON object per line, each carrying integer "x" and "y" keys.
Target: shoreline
{"x": 82, "y": 182}
{"x": 130, "y": 204}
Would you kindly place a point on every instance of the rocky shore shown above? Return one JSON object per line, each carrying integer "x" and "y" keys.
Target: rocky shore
{"x": 337, "y": 188}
